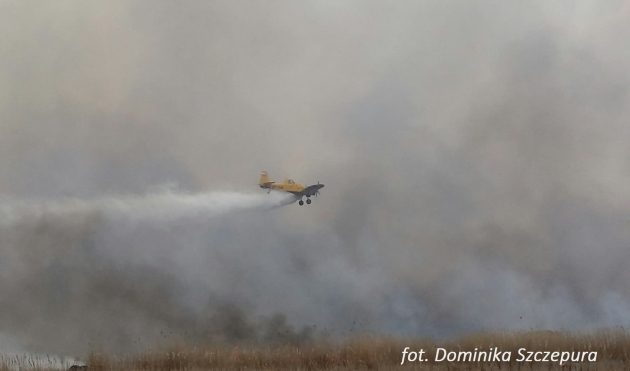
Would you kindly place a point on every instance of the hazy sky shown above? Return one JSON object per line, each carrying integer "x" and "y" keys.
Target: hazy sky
{"x": 474, "y": 153}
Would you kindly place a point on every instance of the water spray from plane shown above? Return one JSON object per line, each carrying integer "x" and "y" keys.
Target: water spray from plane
{"x": 164, "y": 206}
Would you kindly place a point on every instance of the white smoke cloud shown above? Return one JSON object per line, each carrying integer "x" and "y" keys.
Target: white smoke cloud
{"x": 475, "y": 155}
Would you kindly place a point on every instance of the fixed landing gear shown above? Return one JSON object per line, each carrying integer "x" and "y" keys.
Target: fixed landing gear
{"x": 308, "y": 201}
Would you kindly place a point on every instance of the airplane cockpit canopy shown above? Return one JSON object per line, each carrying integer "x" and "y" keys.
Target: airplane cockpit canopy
{"x": 290, "y": 181}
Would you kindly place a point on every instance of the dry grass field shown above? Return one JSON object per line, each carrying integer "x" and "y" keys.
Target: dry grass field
{"x": 367, "y": 354}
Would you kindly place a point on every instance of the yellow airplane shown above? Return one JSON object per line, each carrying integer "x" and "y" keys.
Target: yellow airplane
{"x": 290, "y": 186}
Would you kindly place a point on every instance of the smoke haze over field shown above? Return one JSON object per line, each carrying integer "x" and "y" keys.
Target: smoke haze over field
{"x": 475, "y": 156}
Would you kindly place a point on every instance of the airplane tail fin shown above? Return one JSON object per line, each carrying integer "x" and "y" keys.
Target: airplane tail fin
{"x": 264, "y": 182}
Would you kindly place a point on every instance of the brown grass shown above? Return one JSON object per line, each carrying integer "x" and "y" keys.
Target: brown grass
{"x": 375, "y": 354}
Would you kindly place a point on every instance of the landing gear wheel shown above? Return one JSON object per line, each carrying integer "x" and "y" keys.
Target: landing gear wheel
{"x": 301, "y": 202}
{"x": 308, "y": 201}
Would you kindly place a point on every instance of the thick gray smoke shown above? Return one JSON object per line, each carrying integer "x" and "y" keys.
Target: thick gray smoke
{"x": 74, "y": 255}
{"x": 474, "y": 155}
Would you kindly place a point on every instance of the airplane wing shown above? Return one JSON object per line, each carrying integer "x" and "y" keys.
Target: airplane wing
{"x": 312, "y": 190}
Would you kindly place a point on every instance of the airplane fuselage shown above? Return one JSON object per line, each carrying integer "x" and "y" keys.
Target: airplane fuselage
{"x": 286, "y": 186}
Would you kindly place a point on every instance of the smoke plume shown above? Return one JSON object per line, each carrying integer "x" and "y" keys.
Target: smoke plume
{"x": 474, "y": 155}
